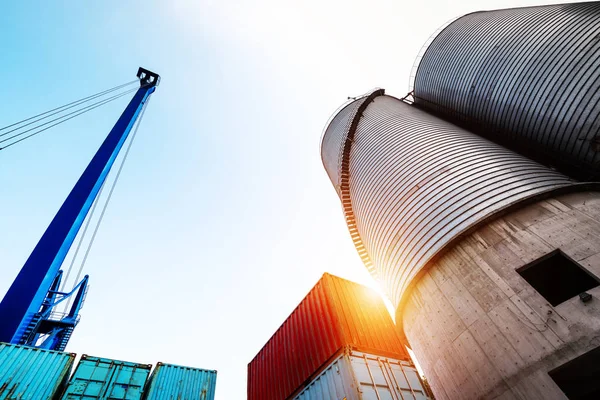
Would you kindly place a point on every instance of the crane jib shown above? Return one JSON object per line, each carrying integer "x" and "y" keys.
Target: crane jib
{"x": 29, "y": 291}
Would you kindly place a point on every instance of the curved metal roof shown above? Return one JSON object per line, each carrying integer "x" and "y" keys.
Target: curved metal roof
{"x": 528, "y": 78}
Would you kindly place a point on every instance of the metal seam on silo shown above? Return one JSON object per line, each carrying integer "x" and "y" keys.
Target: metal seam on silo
{"x": 344, "y": 162}
{"x": 331, "y": 143}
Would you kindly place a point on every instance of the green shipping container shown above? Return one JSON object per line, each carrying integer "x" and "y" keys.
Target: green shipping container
{"x": 174, "y": 382}
{"x": 103, "y": 378}
{"x": 27, "y": 373}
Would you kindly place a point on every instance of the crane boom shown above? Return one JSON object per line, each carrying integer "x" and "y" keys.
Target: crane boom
{"x": 26, "y": 307}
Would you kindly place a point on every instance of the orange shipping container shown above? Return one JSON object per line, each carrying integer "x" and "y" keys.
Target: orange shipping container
{"x": 335, "y": 314}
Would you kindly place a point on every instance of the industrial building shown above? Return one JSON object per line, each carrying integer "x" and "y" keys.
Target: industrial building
{"x": 339, "y": 343}
{"x": 475, "y": 202}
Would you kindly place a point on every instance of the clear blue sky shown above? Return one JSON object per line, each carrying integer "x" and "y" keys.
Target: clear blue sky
{"x": 223, "y": 217}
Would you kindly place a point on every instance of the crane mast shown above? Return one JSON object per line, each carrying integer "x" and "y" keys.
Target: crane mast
{"x": 27, "y": 311}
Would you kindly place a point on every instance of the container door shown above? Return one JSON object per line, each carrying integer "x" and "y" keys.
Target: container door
{"x": 127, "y": 383}
{"x": 407, "y": 380}
{"x": 335, "y": 383}
{"x": 382, "y": 378}
{"x": 374, "y": 385}
{"x": 107, "y": 380}
{"x": 90, "y": 381}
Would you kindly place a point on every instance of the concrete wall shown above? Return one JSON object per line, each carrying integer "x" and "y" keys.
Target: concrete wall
{"x": 478, "y": 327}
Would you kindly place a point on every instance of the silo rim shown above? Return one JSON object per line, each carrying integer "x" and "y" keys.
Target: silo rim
{"x": 346, "y": 104}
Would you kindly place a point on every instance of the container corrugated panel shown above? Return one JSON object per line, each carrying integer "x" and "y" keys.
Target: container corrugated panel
{"x": 528, "y": 78}
{"x": 103, "y": 378}
{"x": 416, "y": 182}
{"x": 362, "y": 376}
{"x": 27, "y": 373}
{"x": 334, "y": 314}
{"x": 175, "y": 382}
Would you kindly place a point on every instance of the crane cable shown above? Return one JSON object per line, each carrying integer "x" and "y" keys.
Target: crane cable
{"x": 76, "y": 113}
{"x": 110, "y": 193}
{"x": 81, "y": 237}
{"x": 66, "y": 106}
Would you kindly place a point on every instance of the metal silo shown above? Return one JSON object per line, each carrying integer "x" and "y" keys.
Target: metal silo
{"x": 482, "y": 251}
{"x": 529, "y": 78}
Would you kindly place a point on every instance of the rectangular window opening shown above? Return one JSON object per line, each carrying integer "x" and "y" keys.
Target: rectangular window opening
{"x": 557, "y": 277}
{"x": 579, "y": 378}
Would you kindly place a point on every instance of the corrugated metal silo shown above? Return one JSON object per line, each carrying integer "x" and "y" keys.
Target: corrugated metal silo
{"x": 492, "y": 259}
{"x": 411, "y": 183}
{"x": 529, "y": 78}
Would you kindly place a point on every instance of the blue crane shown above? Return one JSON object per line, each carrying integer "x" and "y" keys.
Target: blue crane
{"x": 28, "y": 311}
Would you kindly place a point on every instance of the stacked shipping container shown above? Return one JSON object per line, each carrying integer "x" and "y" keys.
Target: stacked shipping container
{"x": 174, "y": 382}
{"x": 360, "y": 376}
{"x": 28, "y": 373}
{"x": 335, "y": 315}
{"x": 102, "y": 378}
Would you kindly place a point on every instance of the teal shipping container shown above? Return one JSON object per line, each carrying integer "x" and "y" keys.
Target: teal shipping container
{"x": 103, "y": 378}
{"x": 27, "y": 373}
{"x": 174, "y": 382}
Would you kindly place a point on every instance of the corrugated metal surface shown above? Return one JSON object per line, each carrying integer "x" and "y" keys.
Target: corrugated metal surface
{"x": 416, "y": 182}
{"x": 362, "y": 376}
{"x": 413, "y": 71}
{"x": 337, "y": 381}
{"x": 103, "y": 378}
{"x": 174, "y": 382}
{"x": 340, "y": 133}
{"x": 331, "y": 144}
{"x": 527, "y": 77}
{"x": 334, "y": 314}
{"x": 27, "y": 373}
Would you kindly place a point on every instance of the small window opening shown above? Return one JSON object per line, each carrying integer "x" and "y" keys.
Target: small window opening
{"x": 579, "y": 378}
{"x": 557, "y": 277}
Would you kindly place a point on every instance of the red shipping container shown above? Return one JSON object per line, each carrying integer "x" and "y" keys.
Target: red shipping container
{"x": 336, "y": 313}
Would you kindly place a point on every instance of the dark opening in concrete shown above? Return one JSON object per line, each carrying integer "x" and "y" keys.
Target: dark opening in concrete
{"x": 557, "y": 277}
{"x": 580, "y": 377}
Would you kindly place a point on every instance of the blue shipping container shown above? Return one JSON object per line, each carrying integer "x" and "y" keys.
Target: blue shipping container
{"x": 29, "y": 373}
{"x": 174, "y": 382}
{"x": 102, "y": 378}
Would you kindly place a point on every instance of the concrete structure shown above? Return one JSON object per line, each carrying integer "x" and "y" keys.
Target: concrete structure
{"x": 463, "y": 234}
{"x": 482, "y": 331}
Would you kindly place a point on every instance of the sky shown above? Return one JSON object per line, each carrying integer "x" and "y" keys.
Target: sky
{"x": 223, "y": 218}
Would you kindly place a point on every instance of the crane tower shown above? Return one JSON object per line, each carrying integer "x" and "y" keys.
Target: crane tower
{"x": 28, "y": 313}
